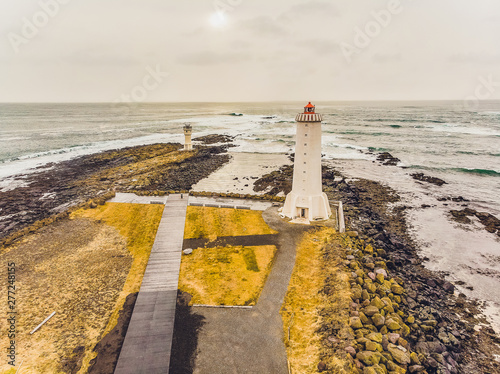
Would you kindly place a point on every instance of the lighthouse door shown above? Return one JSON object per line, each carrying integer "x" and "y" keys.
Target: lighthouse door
{"x": 303, "y": 212}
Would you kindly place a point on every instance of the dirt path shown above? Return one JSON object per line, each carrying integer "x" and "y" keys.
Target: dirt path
{"x": 250, "y": 340}
{"x": 223, "y": 241}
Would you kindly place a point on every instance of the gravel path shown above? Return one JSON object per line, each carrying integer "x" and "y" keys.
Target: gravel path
{"x": 251, "y": 340}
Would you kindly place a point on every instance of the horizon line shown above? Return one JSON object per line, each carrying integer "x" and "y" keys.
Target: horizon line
{"x": 237, "y": 102}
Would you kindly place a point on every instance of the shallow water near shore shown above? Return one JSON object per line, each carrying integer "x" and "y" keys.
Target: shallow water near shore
{"x": 436, "y": 138}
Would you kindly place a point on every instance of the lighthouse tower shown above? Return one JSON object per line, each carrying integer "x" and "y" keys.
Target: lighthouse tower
{"x": 307, "y": 200}
{"x": 188, "y": 130}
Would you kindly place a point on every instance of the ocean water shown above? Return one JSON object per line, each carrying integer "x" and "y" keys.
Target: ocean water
{"x": 437, "y": 138}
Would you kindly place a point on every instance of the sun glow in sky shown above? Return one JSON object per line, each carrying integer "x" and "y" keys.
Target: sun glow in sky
{"x": 218, "y": 19}
{"x": 258, "y": 50}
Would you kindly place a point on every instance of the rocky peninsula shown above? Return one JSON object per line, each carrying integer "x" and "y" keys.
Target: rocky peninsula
{"x": 402, "y": 316}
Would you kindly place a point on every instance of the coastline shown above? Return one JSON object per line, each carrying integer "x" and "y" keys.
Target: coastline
{"x": 377, "y": 212}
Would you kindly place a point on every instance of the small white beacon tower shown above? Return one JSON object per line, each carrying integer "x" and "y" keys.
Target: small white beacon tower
{"x": 307, "y": 201}
{"x": 188, "y": 130}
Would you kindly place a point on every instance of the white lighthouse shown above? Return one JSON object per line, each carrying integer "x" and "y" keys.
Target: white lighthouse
{"x": 307, "y": 199}
{"x": 188, "y": 130}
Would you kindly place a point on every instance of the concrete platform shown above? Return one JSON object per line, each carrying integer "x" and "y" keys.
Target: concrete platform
{"x": 148, "y": 341}
{"x": 132, "y": 198}
{"x": 224, "y": 202}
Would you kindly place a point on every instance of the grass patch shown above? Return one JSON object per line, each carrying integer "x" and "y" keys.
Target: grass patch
{"x": 82, "y": 268}
{"x": 138, "y": 224}
{"x": 211, "y": 223}
{"x": 226, "y": 276}
{"x": 306, "y": 305}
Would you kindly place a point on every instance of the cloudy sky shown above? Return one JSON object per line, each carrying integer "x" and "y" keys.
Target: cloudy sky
{"x": 248, "y": 50}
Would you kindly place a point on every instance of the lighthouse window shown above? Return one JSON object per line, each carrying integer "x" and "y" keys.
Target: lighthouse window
{"x": 306, "y": 134}
{"x": 305, "y": 162}
{"x": 305, "y": 154}
{"x": 305, "y": 143}
{"x": 304, "y": 171}
{"x": 307, "y": 125}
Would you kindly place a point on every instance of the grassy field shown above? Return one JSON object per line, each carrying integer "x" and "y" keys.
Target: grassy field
{"x": 226, "y": 276}
{"x": 301, "y": 312}
{"x": 138, "y": 225}
{"x": 82, "y": 268}
{"x": 211, "y": 223}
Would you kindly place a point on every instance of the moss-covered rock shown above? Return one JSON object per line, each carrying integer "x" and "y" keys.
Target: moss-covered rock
{"x": 368, "y": 358}
{"x": 392, "y": 325}
{"x": 371, "y": 310}
{"x": 375, "y": 336}
{"x": 399, "y": 354}
{"x": 355, "y": 323}
{"x": 378, "y": 320}
{"x": 397, "y": 289}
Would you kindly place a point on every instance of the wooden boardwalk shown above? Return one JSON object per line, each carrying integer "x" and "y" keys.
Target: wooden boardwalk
{"x": 148, "y": 341}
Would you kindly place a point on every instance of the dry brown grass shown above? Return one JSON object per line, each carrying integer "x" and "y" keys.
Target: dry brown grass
{"x": 211, "y": 223}
{"x": 138, "y": 224}
{"x": 78, "y": 268}
{"x": 305, "y": 304}
{"x": 226, "y": 276}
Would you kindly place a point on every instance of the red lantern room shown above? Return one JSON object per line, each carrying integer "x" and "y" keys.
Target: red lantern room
{"x": 309, "y": 108}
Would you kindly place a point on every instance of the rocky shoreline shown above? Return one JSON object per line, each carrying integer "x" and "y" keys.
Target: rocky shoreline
{"x": 446, "y": 332}
{"x": 50, "y": 193}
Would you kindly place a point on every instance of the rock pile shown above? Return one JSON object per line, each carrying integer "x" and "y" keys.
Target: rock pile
{"x": 441, "y": 326}
{"x": 387, "y": 336}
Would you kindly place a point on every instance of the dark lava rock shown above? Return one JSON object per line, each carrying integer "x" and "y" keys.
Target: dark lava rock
{"x": 425, "y": 178}
{"x": 321, "y": 366}
{"x": 214, "y": 139}
{"x": 489, "y": 221}
{"x": 387, "y": 159}
{"x": 448, "y": 287}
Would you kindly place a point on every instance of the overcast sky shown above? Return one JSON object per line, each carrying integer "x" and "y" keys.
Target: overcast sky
{"x": 248, "y": 50}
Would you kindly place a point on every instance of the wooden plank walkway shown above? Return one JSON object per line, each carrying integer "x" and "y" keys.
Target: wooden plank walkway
{"x": 148, "y": 341}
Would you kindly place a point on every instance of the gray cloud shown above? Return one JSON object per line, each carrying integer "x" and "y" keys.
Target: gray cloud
{"x": 93, "y": 50}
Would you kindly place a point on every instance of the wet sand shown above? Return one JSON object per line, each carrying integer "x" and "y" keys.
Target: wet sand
{"x": 241, "y": 172}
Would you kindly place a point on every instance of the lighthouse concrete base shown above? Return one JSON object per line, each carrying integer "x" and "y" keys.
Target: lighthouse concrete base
{"x": 310, "y": 207}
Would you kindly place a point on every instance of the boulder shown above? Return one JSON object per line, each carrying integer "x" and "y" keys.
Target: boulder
{"x": 381, "y": 271}
{"x": 371, "y": 346}
{"x": 399, "y": 354}
{"x": 321, "y": 366}
{"x": 351, "y": 351}
{"x": 393, "y": 338}
{"x": 375, "y": 336}
{"x": 378, "y": 320}
{"x": 355, "y": 323}
{"x": 395, "y": 368}
{"x": 368, "y": 358}
{"x": 392, "y": 325}
{"x": 397, "y": 289}
{"x": 371, "y": 310}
